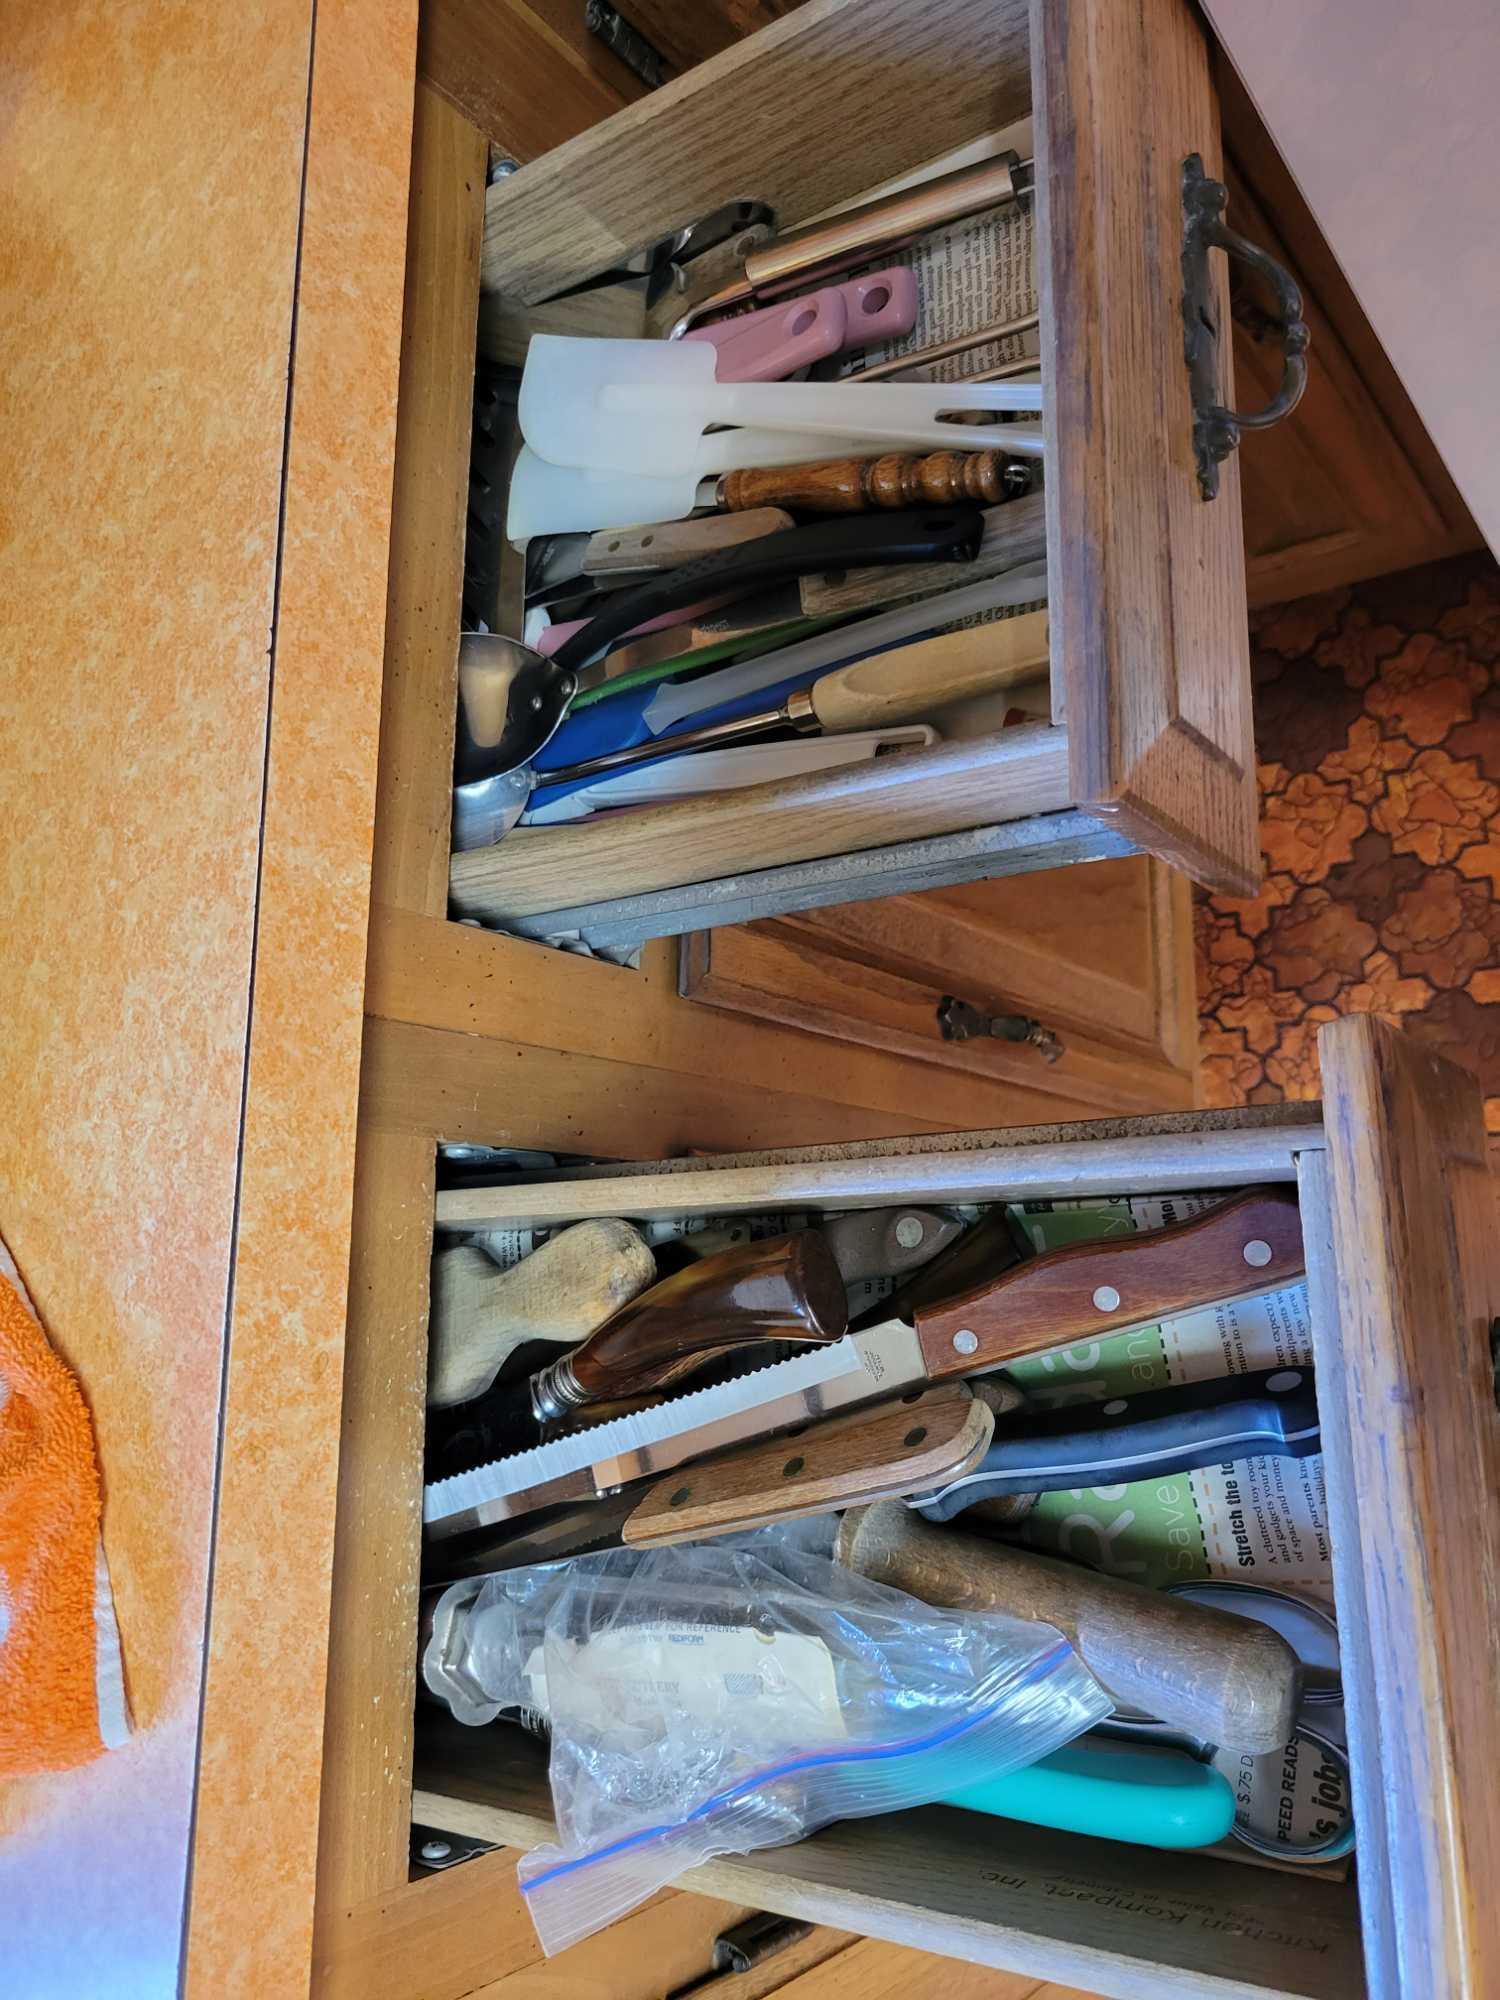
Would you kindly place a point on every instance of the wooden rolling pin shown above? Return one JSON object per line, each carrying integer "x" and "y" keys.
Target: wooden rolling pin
{"x": 1013, "y": 534}
{"x": 1226, "y": 1680}
{"x": 562, "y": 1292}
{"x": 854, "y": 485}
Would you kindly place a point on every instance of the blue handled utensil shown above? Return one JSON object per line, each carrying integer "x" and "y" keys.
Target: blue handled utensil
{"x": 1271, "y": 1412}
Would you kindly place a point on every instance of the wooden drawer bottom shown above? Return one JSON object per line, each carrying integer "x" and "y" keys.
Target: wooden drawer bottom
{"x": 1095, "y": 1914}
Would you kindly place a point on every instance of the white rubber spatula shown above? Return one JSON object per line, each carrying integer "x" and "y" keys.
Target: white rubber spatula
{"x": 643, "y": 405}
{"x": 547, "y": 499}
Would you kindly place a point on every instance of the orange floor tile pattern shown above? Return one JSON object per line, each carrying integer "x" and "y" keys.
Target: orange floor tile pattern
{"x": 1377, "y": 722}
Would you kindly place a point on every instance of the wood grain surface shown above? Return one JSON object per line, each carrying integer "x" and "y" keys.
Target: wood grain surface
{"x": 1064, "y": 1907}
{"x": 564, "y": 1291}
{"x": 656, "y": 1072}
{"x": 1379, "y": 1920}
{"x": 1345, "y": 110}
{"x": 525, "y": 73}
{"x": 925, "y": 80}
{"x": 365, "y": 1829}
{"x": 1349, "y": 486}
{"x": 901, "y": 797}
{"x": 1225, "y": 1679}
{"x": 1150, "y": 636}
{"x": 786, "y": 973}
{"x": 1108, "y": 967}
{"x": 1097, "y": 1158}
{"x": 465, "y": 1933}
{"x": 913, "y": 681}
{"x": 1014, "y": 533}
{"x": 891, "y": 1450}
{"x": 1417, "y": 1465}
{"x": 429, "y": 502}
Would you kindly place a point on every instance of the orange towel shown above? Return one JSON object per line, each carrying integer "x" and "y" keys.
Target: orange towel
{"x": 62, "y": 1697}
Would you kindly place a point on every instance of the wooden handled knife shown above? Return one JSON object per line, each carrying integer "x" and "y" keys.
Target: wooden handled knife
{"x": 1250, "y": 1243}
{"x": 885, "y": 1451}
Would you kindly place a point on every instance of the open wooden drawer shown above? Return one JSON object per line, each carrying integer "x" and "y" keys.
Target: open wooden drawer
{"x": 1150, "y": 745}
{"x": 1399, "y": 1217}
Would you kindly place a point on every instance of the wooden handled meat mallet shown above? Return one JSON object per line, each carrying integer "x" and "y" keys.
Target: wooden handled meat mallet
{"x": 853, "y": 485}
{"x": 1225, "y": 1680}
{"x": 481, "y": 1313}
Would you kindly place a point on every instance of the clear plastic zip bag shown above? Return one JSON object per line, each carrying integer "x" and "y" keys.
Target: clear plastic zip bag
{"x": 717, "y": 1697}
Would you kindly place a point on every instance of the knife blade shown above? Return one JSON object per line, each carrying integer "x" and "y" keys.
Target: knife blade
{"x": 886, "y": 1451}
{"x": 763, "y": 1291}
{"x": 1271, "y": 1412}
{"x": 1250, "y": 1243}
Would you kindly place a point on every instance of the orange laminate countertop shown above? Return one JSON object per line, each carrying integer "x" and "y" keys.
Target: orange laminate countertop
{"x": 198, "y": 408}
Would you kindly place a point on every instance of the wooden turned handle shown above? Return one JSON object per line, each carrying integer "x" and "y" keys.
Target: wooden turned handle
{"x": 562, "y": 1292}
{"x": 912, "y": 681}
{"x": 854, "y": 485}
{"x": 1229, "y": 1681}
{"x": 785, "y": 1288}
{"x": 1250, "y": 1243}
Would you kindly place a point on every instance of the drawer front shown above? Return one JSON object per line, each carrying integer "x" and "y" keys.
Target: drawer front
{"x": 1150, "y": 632}
{"x": 1414, "y": 1499}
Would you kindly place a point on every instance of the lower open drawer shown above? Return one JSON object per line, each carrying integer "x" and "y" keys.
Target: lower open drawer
{"x": 1398, "y": 1217}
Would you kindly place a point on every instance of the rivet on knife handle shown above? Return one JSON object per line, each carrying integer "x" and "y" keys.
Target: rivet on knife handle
{"x": 843, "y": 1461}
{"x": 787, "y": 1288}
{"x": 1252, "y": 1243}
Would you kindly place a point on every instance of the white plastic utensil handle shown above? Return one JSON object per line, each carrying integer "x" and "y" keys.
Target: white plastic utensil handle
{"x": 904, "y": 413}
{"x": 671, "y": 703}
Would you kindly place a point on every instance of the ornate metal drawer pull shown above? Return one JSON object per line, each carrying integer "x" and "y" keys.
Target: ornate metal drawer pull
{"x": 1216, "y": 430}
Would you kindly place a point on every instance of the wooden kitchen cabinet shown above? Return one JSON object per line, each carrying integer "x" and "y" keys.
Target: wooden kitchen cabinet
{"x": 185, "y": 1067}
{"x": 479, "y": 1038}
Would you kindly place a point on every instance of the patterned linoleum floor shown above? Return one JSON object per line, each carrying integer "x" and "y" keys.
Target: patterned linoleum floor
{"x": 1377, "y": 719}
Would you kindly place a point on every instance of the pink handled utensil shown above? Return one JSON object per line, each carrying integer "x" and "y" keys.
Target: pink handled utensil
{"x": 777, "y": 341}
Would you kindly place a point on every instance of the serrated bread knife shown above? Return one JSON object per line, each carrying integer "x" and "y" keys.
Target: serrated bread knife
{"x": 1250, "y": 1243}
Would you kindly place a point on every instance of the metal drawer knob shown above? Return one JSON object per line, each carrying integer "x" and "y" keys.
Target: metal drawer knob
{"x": 1216, "y": 430}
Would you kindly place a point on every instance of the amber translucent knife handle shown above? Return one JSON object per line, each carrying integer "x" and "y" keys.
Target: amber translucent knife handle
{"x": 1251, "y": 1243}
{"x": 874, "y": 1454}
{"x": 785, "y": 1288}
